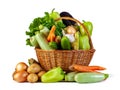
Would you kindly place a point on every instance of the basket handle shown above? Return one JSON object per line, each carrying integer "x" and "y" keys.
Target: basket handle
{"x": 78, "y": 22}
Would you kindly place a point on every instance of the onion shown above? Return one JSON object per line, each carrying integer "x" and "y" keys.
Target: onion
{"x": 20, "y": 76}
{"x": 71, "y": 30}
{"x": 21, "y": 66}
{"x": 70, "y": 37}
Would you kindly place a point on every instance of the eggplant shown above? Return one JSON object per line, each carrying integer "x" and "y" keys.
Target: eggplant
{"x": 67, "y": 22}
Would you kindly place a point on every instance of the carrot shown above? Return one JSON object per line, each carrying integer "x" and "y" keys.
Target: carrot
{"x": 76, "y": 67}
{"x": 96, "y": 68}
{"x": 51, "y": 36}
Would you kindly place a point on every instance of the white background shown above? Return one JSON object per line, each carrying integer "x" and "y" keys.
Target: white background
{"x": 15, "y": 17}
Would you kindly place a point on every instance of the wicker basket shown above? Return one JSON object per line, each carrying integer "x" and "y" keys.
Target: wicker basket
{"x": 64, "y": 58}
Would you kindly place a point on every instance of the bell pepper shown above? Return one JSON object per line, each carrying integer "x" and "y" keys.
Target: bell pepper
{"x": 84, "y": 42}
{"x": 89, "y": 27}
{"x": 54, "y": 14}
{"x": 53, "y": 45}
{"x": 65, "y": 43}
{"x": 53, "y": 75}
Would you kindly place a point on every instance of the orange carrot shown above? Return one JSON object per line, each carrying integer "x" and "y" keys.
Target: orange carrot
{"x": 76, "y": 67}
{"x": 51, "y": 36}
{"x": 96, "y": 68}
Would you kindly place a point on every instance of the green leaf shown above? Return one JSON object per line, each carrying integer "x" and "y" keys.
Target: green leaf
{"x": 45, "y": 21}
{"x": 28, "y": 42}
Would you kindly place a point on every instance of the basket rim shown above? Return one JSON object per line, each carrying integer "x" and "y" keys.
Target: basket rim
{"x": 91, "y": 50}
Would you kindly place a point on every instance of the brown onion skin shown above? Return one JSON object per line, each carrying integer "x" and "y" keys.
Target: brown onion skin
{"x": 71, "y": 30}
{"x": 21, "y": 66}
{"x": 20, "y": 76}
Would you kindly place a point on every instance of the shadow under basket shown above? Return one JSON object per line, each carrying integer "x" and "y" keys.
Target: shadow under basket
{"x": 64, "y": 58}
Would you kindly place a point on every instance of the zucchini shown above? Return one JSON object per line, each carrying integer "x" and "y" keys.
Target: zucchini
{"x": 90, "y": 77}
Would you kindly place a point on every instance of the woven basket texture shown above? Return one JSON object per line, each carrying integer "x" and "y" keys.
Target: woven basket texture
{"x": 65, "y": 58}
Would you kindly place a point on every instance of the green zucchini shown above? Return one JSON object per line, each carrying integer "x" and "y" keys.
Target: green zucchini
{"x": 90, "y": 77}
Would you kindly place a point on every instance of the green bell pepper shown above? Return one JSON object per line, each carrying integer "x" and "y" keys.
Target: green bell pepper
{"x": 84, "y": 42}
{"x": 54, "y": 14}
{"x": 54, "y": 75}
{"x": 53, "y": 45}
{"x": 89, "y": 27}
{"x": 65, "y": 43}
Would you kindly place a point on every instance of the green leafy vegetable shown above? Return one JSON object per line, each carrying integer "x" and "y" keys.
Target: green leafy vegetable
{"x": 59, "y": 27}
{"x": 28, "y": 42}
{"x": 48, "y": 20}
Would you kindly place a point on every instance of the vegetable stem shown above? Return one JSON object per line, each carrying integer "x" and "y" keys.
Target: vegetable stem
{"x": 42, "y": 41}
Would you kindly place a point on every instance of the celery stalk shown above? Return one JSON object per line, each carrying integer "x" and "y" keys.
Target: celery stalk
{"x": 42, "y": 41}
{"x": 33, "y": 41}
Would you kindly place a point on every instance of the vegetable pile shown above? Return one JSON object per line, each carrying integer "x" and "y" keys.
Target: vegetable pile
{"x": 48, "y": 33}
{"x": 33, "y": 73}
